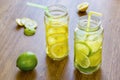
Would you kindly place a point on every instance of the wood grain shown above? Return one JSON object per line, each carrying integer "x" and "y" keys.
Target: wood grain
{"x": 13, "y": 41}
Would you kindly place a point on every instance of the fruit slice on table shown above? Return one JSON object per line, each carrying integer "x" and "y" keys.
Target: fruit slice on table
{"x": 26, "y": 61}
{"x": 59, "y": 50}
{"x": 83, "y": 6}
{"x": 29, "y": 23}
{"x": 29, "y": 31}
{"x": 95, "y": 59}
{"x": 18, "y": 21}
{"x": 82, "y": 60}
{"x": 56, "y": 38}
{"x": 82, "y": 48}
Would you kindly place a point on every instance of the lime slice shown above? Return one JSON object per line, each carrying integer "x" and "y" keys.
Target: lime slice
{"x": 56, "y": 38}
{"x": 29, "y": 23}
{"x": 29, "y": 32}
{"x": 82, "y": 60}
{"x": 95, "y": 59}
{"x": 82, "y": 48}
{"x": 94, "y": 45}
{"x": 59, "y": 50}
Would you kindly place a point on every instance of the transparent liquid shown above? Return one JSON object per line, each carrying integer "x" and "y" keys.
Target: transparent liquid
{"x": 88, "y": 52}
{"x": 56, "y": 40}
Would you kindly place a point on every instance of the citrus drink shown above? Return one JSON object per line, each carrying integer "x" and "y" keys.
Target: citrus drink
{"x": 57, "y": 40}
{"x": 56, "y": 22}
{"x": 88, "y": 47}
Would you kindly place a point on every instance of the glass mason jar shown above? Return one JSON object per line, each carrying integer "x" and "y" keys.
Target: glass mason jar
{"x": 56, "y": 22}
{"x": 88, "y": 45}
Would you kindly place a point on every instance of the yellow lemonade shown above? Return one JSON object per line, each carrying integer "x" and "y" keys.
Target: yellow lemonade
{"x": 56, "y": 40}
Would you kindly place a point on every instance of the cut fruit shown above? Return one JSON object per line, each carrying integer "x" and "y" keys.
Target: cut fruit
{"x": 18, "y": 21}
{"x": 82, "y": 60}
{"x": 83, "y": 6}
{"x": 29, "y": 32}
{"x": 95, "y": 59}
{"x": 59, "y": 50}
{"x": 29, "y": 23}
{"x": 56, "y": 38}
{"x": 82, "y": 48}
{"x": 94, "y": 45}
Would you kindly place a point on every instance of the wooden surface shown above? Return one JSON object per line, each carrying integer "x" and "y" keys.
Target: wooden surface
{"x": 13, "y": 41}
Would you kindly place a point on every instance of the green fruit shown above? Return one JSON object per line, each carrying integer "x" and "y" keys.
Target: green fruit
{"x": 82, "y": 60}
{"x": 95, "y": 59}
{"x": 26, "y": 61}
{"x": 29, "y": 31}
{"x": 82, "y": 48}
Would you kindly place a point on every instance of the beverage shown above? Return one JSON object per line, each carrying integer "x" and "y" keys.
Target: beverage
{"x": 57, "y": 35}
{"x": 88, "y": 45}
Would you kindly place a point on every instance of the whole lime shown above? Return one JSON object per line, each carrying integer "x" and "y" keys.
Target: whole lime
{"x": 26, "y": 61}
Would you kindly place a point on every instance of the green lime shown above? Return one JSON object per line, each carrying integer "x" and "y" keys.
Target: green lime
{"x": 95, "y": 59}
{"x": 29, "y": 31}
{"x": 82, "y": 48}
{"x": 26, "y": 61}
{"x": 82, "y": 60}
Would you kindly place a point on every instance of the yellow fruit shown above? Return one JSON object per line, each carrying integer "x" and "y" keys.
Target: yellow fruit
{"x": 83, "y": 6}
{"x": 59, "y": 50}
{"x": 18, "y": 21}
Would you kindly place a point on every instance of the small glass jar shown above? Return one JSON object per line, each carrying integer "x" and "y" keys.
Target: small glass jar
{"x": 56, "y": 21}
{"x": 88, "y": 45}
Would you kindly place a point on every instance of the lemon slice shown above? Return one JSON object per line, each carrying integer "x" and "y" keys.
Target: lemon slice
{"x": 83, "y": 6}
{"x": 18, "y": 21}
{"x": 82, "y": 60}
{"x": 59, "y": 50}
{"x": 95, "y": 59}
{"x": 82, "y": 48}
{"x": 56, "y": 38}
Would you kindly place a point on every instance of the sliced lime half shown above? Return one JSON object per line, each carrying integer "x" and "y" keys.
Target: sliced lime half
{"x": 82, "y": 48}
{"x": 82, "y": 60}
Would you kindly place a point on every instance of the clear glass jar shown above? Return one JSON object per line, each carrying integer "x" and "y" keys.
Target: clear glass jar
{"x": 88, "y": 45}
{"x": 56, "y": 22}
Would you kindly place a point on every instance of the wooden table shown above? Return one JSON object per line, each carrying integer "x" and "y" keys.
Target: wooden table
{"x": 13, "y": 41}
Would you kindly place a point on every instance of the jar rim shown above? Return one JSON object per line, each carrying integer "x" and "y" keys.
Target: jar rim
{"x": 55, "y": 6}
{"x": 94, "y": 19}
